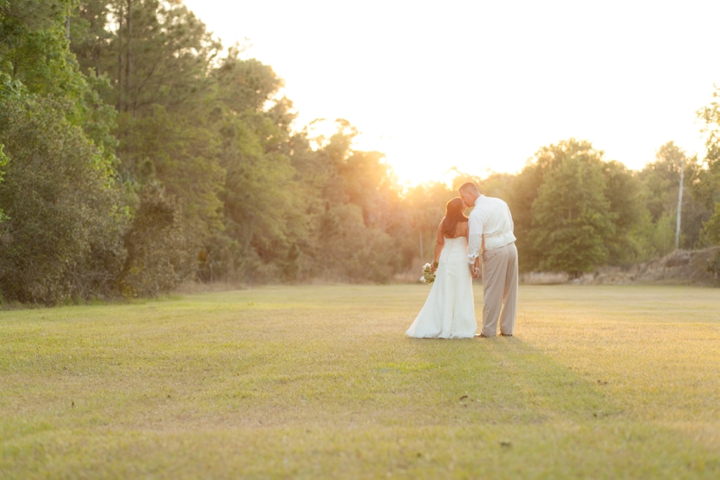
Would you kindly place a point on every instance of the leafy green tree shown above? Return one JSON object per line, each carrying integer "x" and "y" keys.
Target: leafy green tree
{"x": 245, "y": 85}
{"x": 151, "y": 59}
{"x": 497, "y": 185}
{"x": 258, "y": 198}
{"x": 660, "y": 180}
{"x": 363, "y": 253}
{"x": 153, "y": 51}
{"x": 3, "y": 163}
{"x": 370, "y": 184}
{"x": 358, "y": 181}
{"x": 159, "y": 254}
{"x": 571, "y": 216}
{"x": 34, "y": 49}
{"x": 523, "y": 192}
{"x": 61, "y": 207}
{"x": 712, "y": 226}
{"x": 662, "y": 234}
{"x": 524, "y": 189}
{"x": 623, "y": 193}
{"x": 36, "y": 55}
{"x": 90, "y": 36}
{"x": 263, "y": 201}
{"x": 61, "y": 238}
{"x": 182, "y": 156}
{"x": 157, "y": 62}
{"x": 706, "y": 185}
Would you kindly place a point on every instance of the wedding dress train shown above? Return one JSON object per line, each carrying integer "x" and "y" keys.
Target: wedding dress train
{"x": 449, "y": 311}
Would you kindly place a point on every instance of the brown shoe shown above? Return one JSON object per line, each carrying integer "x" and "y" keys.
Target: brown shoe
{"x": 506, "y": 334}
{"x": 481, "y": 335}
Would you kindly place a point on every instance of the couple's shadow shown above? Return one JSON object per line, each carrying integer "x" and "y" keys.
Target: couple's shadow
{"x": 521, "y": 381}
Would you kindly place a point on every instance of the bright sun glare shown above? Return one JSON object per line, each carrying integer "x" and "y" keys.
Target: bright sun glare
{"x": 483, "y": 85}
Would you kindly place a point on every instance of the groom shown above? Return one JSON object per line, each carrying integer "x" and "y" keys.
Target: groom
{"x": 491, "y": 230}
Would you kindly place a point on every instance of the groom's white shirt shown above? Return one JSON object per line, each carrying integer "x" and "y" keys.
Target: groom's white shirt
{"x": 490, "y": 220}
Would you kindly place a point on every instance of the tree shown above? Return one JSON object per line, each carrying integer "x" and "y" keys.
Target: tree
{"x": 265, "y": 216}
{"x": 3, "y": 163}
{"x": 37, "y": 57}
{"x": 61, "y": 237}
{"x": 245, "y": 85}
{"x": 660, "y": 180}
{"x": 356, "y": 182}
{"x": 159, "y": 254}
{"x": 623, "y": 193}
{"x": 425, "y": 206}
{"x": 60, "y": 202}
{"x": 706, "y": 181}
{"x": 571, "y": 216}
{"x": 524, "y": 188}
{"x": 152, "y": 59}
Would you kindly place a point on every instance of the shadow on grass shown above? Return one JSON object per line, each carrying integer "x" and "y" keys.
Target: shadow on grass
{"x": 510, "y": 385}
{"x": 514, "y": 380}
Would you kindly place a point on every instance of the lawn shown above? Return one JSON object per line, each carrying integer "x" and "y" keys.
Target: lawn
{"x": 320, "y": 381}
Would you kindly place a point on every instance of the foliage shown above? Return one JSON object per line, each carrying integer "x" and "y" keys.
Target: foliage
{"x": 186, "y": 163}
{"x": 713, "y": 265}
{"x": 660, "y": 189}
{"x": 64, "y": 237}
{"x": 160, "y": 147}
{"x": 57, "y": 195}
{"x": 712, "y": 226}
{"x": 623, "y": 193}
{"x": 662, "y": 234}
{"x": 35, "y": 55}
{"x": 3, "y": 163}
{"x": 563, "y": 218}
{"x": 354, "y": 251}
{"x": 707, "y": 181}
{"x": 710, "y": 115}
{"x": 158, "y": 251}
{"x": 424, "y": 207}
{"x": 571, "y": 216}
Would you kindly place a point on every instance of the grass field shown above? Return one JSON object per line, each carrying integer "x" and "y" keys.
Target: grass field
{"x": 308, "y": 382}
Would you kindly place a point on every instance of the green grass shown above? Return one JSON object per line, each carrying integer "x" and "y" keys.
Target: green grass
{"x": 598, "y": 382}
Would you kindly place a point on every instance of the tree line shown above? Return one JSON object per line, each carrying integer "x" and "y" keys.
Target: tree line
{"x": 136, "y": 153}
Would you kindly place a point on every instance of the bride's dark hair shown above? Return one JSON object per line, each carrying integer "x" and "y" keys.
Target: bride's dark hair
{"x": 453, "y": 214}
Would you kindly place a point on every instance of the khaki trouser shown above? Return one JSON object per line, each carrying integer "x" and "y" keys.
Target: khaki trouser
{"x": 500, "y": 285}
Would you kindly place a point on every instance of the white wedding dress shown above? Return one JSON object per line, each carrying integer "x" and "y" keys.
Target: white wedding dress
{"x": 449, "y": 311}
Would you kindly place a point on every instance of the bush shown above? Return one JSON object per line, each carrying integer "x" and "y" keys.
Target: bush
{"x": 59, "y": 199}
{"x": 713, "y": 265}
{"x": 159, "y": 253}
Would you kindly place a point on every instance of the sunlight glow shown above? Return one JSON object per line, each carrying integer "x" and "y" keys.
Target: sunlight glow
{"x": 484, "y": 85}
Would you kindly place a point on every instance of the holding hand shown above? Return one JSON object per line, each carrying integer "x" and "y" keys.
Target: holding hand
{"x": 475, "y": 269}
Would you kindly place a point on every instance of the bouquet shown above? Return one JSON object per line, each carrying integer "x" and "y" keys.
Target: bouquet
{"x": 428, "y": 276}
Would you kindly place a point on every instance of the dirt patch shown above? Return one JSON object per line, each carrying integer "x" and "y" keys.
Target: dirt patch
{"x": 681, "y": 267}
{"x": 543, "y": 278}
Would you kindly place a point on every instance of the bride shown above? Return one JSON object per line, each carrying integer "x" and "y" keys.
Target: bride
{"x": 449, "y": 311}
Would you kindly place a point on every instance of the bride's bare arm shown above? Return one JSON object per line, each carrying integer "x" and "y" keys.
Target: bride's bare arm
{"x": 439, "y": 243}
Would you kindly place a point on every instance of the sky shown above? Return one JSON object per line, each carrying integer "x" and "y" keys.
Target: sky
{"x": 482, "y": 85}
